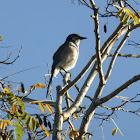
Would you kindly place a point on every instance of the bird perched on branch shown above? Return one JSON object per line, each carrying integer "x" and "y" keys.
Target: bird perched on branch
{"x": 65, "y": 57}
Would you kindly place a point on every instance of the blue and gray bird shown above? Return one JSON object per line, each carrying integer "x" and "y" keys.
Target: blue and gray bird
{"x": 65, "y": 57}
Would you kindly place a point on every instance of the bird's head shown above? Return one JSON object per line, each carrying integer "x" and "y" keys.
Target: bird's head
{"x": 76, "y": 38}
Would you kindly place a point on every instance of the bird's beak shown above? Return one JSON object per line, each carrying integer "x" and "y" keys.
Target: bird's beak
{"x": 82, "y": 38}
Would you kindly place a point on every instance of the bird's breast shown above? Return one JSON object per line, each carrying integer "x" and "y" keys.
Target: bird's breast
{"x": 69, "y": 57}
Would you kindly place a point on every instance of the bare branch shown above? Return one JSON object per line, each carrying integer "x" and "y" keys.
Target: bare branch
{"x": 133, "y": 43}
{"x": 98, "y": 52}
{"x": 126, "y": 55}
{"x": 7, "y": 63}
{"x": 29, "y": 100}
{"x": 58, "y": 122}
{"x": 118, "y": 90}
{"x": 18, "y": 73}
{"x": 116, "y": 54}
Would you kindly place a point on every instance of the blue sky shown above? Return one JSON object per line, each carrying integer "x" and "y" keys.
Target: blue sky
{"x": 41, "y": 27}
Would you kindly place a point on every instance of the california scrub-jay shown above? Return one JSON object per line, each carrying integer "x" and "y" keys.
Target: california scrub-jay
{"x": 65, "y": 57}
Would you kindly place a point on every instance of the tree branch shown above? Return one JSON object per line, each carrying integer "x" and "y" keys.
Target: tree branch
{"x": 116, "y": 54}
{"x": 118, "y": 90}
{"x": 126, "y": 55}
{"x": 93, "y": 73}
{"x": 4, "y": 62}
{"x": 98, "y": 52}
{"x": 58, "y": 122}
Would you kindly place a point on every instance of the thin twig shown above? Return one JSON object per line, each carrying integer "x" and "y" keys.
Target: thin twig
{"x": 7, "y": 63}
{"x": 126, "y": 55}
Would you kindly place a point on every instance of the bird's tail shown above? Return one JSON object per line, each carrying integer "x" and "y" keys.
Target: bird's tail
{"x": 49, "y": 85}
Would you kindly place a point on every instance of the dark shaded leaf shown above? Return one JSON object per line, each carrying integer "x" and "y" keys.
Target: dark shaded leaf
{"x": 105, "y": 28}
{"x": 49, "y": 124}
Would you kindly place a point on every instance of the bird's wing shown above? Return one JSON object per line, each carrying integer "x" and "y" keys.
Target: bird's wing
{"x": 60, "y": 50}
{"x": 58, "y": 55}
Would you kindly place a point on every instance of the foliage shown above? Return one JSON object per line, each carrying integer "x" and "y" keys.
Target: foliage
{"x": 15, "y": 117}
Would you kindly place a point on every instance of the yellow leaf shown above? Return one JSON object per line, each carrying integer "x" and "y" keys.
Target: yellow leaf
{"x": 76, "y": 116}
{"x": 123, "y": 100}
{"x": 14, "y": 108}
{"x": 74, "y": 133}
{"x": 130, "y": 13}
{"x": 0, "y": 38}
{"x": 114, "y": 131}
{"x": 6, "y": 89}
{"x": 40, "y": 85}
{"x": 10, "y": 122}
{"x": 47, "y": 133}
{"x": 20, "y": 90}
{"x": 42, "y": 107}
{"x": 49, "y": 108}
{"x": 32, "y": 88}
{"x": 89, "y": 136}
{"x": 136, "y": 19}
{"x": 119, "y": 13}
{"x": 6, "y": 123}
{"x": 2, "y": 125}
{"x": 9, "y": 85}
{"x": 42, "y": 127}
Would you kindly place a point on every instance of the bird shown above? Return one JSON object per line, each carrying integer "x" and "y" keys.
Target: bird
{"x": 65, "y": 57}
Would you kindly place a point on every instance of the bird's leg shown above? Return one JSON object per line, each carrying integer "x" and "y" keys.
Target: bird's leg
{"x": 64, "y": 71}
{"x": 62, "y": 74}
{"x": 69, "y": 78}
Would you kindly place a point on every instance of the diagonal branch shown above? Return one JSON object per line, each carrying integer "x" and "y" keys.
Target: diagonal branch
{"x": 118, "y": 90}
{"x": 126, "y": 55}
{"x": 116, "y": 54}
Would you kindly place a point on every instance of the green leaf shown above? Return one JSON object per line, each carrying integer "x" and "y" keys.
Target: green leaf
{"x": 21, "y": 103}
{"x": 27, "y": 121}
{"x": 126, "y": 19}
{"x": 9, "y": 116}
{"x": 17, "y": 113}
{"x": 23, "y": 115}
{"x": 136, "y": 19}
{"x": 33, "y": 124}
{"x": 133, "y": 23}
{"x": 123, "y": 16}
{"x": 36, "y": 124}
{"x": 84, "y": 138}
{"x": 19, "y": 137}
{"x": 19, "y": 129}
{"x": 11, "y": 131}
